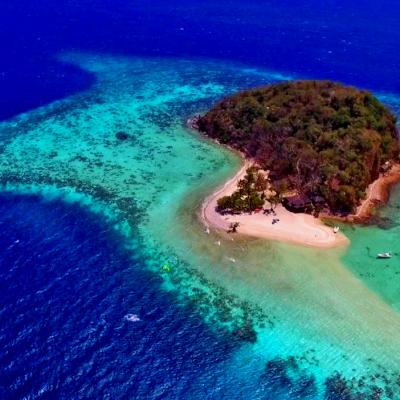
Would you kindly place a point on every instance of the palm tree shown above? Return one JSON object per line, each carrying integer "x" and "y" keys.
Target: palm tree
{"x": 274, "y": 200}
{"x": 233, "y": 227}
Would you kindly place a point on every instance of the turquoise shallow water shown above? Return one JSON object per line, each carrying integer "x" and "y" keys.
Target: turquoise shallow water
{"x": 122, "y": 149}
{"x": 382, "y": 276}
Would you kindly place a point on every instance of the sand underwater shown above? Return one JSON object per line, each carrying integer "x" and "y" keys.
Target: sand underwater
{"x": 325, "y": 323}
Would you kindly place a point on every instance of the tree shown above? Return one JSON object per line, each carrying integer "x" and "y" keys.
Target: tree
{"x": 274, "y": 200}
{"x": 233, "y": 227}
{"x": 224, "y": 203}
{"x": 247, "y": 197}
{"x": 309, "y": 133}
{"x": 261, "y": 182}
{"x": 254, "y": 201}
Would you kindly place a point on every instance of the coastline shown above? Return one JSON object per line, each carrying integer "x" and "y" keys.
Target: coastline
{"x": 301, "y": 229}
{"x": 378, "y": 193}
{"x": 297, "y": 228}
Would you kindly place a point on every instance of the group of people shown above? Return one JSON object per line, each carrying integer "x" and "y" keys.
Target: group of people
{"x": 268, "y": 211}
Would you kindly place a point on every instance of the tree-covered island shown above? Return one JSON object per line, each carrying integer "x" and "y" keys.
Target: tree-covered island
{"x": 322, "y": 140}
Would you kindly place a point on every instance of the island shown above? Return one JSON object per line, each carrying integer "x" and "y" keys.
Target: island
{"x": 312, "y": 149}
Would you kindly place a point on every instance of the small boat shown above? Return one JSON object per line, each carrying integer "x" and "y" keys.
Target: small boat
{"x": 336, "y": 229}
{"x": 384, "y": 255}
{"x": 132, "y": 318}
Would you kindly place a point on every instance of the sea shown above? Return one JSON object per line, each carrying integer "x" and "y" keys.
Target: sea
{"x": 110, "y": 286}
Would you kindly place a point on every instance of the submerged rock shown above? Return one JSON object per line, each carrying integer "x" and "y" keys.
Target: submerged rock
{"x": 282, "y": 374}
{"x": 122, "y": 135}
{"x": 246, "y": 333}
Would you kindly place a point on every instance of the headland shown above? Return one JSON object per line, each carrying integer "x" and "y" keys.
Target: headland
{"x": 312, "y": 150}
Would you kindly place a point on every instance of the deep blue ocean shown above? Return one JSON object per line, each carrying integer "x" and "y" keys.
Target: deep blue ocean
{"x": 67, "y": 290}
{"x": 66, "y": 281}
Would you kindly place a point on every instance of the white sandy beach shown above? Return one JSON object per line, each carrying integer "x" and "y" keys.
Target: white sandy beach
{"x": 300, "y": 228}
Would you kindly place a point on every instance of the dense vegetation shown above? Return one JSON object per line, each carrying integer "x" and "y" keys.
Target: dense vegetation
{"x": 321, "y": 138}
{"x": 249, "y": 196}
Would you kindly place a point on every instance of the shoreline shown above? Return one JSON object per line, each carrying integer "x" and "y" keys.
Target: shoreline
{"x": 301, "y": 229}
{"x": 378, "y": 193}
{"x": 296, "y": 228}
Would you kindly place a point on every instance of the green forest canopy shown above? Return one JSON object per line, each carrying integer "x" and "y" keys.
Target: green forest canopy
{"x": 249, "y": 196}
{"x": 321, "y": 138}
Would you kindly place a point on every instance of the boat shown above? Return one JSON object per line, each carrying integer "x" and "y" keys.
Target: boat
{"x": 384, "y": 255}
{"x": 336, "y": 229}
{"x": 132, "y": 318}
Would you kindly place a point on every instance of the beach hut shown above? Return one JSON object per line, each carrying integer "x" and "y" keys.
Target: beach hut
{"x": 297, "y": 203}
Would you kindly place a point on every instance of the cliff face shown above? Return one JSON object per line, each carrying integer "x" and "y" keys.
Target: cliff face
{"x": 318, "y": 137}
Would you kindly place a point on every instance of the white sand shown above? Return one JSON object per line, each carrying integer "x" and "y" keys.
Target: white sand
{"x": 299, "y": 228}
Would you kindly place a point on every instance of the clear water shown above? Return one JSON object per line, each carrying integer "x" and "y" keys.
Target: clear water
{"x": 66, "y": 296}
{"x": 89, "y": 220}
{"x": 301, "y": 308}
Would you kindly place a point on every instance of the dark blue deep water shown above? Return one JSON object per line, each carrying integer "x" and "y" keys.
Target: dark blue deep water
{"x": 66, "y": 282}
{"x": 355, "y": 41}
{"x": 66, "y": 287}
